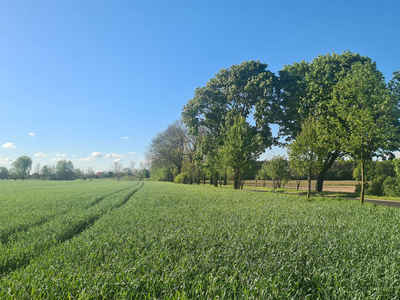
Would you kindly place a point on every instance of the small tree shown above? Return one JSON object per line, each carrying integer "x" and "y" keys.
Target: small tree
{"x": 277, "y": 169}
{"x": 307, "y": 151}
{"x": 241, "y": 147}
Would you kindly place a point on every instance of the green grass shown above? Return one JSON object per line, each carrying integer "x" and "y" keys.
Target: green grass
{"x": 166, "y": 241}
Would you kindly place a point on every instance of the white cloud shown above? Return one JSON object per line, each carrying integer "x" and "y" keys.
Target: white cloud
{"x": 73, "y": 155}
{"x": 55, "y": 159}
{"x": 125, "y": 137}
{"x": 114, "y": 155}
{"x": 32, "y": 134}
{"x": 61, "y": 155}
{"x": 118, "y": 160}
{"x": 6, "y": 160}
{"x": 130, "y": 153}
{"x": 9, "y": 145}
{"x": 97, "y": 154}
{"x": 40, "y": 154}
{"x": 86, "y": 159}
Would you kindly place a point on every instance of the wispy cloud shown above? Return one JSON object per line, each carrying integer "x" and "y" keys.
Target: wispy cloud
{"x": 118, "y": 160}
{"x": 40, "y": 154}
{"x": 55, "y": 159}
{"x": 32, "y": 134}
{"x": 9, "y": 145}
{"x": 130, "y": 153}
{"x": 61, "y": 155}
{"x": 114, "y": 155}
{"x": 6, "y": 160}
{"x": 73, "y": 155}
{"x": 81, "y": 159}
{"x": 125, "y": 137}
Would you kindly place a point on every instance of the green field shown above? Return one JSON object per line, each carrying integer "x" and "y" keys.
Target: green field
{"x": 135, "y": 240}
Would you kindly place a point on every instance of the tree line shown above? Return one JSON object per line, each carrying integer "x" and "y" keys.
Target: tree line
{"x": 336, "y": 106}
{"x": 65, "y": 170}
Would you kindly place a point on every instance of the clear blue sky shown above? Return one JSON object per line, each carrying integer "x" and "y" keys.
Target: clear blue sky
{"x": 83, "y": 79}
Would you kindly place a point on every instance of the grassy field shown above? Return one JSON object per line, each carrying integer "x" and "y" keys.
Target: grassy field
{"x": 129, "y": 240}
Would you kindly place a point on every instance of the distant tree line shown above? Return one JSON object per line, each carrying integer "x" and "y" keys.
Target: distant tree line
{"x": 337, "y": 106}
{"x": 65, "y": 170}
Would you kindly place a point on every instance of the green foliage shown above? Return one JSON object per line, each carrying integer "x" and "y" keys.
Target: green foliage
{"x": 376, "y": 186}
{"x": 182, "y": 178}
{"x": 391, "y": 187}
{"x": 241, "y": 147}
{"x": 4, "y": 174}
{"x": 276, "y": 168}
{"x": 22, "y": 166}
{"x": 307, "y": 151}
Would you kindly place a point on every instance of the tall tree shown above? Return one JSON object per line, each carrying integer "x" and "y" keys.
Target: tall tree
{"x": 117, "y": 167}
{"x": 3, "y": 173}
{"x": 167, "y": 148}
{"x": 247, "y": 90}
{"x": 307, "y": 91}
{"x": 368, "y": 116}
{"x": 22, "y": 166}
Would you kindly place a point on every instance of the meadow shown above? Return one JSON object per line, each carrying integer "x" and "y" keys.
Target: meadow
{"x": 153, "y": 240}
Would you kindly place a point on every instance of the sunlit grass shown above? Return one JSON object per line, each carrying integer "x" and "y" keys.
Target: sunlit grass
{"x": 171, "y": 241}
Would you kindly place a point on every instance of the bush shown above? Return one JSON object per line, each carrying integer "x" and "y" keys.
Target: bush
{"x": 358, "y": 188}
{"x": 376, "y": 186}
{"x": 182, "y": 178}
{"x": 391, "y": 187}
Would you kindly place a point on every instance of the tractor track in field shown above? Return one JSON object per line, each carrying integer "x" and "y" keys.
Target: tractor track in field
{"x": 85, "y": 224}
{"x": 25, "y": 258}
{"x": 7, "y": 234}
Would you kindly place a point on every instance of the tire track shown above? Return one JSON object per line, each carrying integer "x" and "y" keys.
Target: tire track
{"x": 23, "y": 259}
{"x": 6, "y": 235}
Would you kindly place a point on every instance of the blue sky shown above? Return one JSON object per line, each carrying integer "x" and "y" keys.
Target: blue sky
{"x": 82, "y": 80}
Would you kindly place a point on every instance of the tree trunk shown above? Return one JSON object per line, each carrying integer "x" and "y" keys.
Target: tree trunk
{"x": 215, "y": 179}
{"x": 298, "y": 184}
{"x": 309, "y": 185}
{"x": 225, "y": 179}
{"x": 362, "y": 182}
{"x": 236, "y": 180}
{"x": 327, "y": 166}
{"x": 273, "y": 185}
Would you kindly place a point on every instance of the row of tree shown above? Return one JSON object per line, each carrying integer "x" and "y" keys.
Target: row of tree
{"x": 65, "y": 170}
{"x": 336, "y": 106}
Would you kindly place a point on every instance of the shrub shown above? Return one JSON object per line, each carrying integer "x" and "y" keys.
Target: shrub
{"x": 391, "y": 187}
{"x": 376, "y": 186}
{"x": 182, "y": 178}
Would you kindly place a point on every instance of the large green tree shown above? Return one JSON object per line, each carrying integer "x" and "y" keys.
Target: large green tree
{"x": 307, "y": 91}
{"x": 368, "y": 116}
{"x": 247, "y": 90}
{"x": 22, "y": 166}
